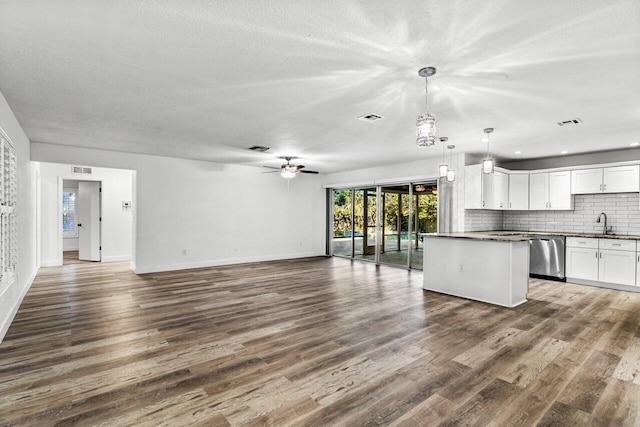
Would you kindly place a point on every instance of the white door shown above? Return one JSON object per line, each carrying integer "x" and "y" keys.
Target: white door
{"x": 538, "y": 191}
{"x": 89, "y": 221}
{"x": 618, "y": 267}
{"x": 519, "y": 192}
{"x": 582, "y": 263}
{"x": 560, "y": 197}
{"x": 622, "y": 179}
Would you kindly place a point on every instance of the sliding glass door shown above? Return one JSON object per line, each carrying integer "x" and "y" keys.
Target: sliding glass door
{"x": 341, "y": 240}
{"x": 383, "y": 224}
{"x": 364, "y": 229}
{"x": 395, "y": 226}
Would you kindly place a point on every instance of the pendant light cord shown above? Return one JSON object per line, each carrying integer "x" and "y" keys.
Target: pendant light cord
{"x": 426, "y": 93}
{"x": 488, "y": 140}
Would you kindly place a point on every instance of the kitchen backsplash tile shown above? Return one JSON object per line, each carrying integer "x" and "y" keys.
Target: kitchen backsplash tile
{"x": 622, "y": 209}
{"x": 482, "y": 220}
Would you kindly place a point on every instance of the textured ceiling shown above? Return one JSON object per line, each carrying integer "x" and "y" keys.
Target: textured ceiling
{"x": 206, "y": 80}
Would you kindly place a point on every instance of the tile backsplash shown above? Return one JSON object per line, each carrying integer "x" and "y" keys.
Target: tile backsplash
{"x": 622, "y": 209}
{"x": 483, "y": 220}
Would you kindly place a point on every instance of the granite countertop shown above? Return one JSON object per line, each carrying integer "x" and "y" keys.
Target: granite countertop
{"x": 517, "y": 236}
{"x": 483, "y": 235}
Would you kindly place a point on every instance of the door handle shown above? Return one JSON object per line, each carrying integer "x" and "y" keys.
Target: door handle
{"x": 79, "y": 225}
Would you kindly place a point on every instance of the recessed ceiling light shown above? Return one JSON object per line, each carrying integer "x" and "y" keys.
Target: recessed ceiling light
{"x": 517, "y": 152}
{"x": 634, "y": 144}
{"x": 564, "y": 152}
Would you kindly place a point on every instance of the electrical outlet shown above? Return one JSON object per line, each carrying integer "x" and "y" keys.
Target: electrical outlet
{"x": 184, "y": 252}
{"x": 461, "y": 268}
{"x": 235, "y": 249}
{"x": 301, "y": 244}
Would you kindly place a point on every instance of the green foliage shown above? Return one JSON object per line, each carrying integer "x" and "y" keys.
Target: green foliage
{"x": 426, "y": 212}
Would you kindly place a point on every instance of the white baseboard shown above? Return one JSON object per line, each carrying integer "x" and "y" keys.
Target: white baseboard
{"x": 116, "y": 258}
{"x": 4, "y": 327}
{"x": 51, "y": 263}
{"x": 219, "y": 262}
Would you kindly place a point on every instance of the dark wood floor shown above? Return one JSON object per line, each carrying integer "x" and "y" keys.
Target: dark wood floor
{"x": 316, "y": 341}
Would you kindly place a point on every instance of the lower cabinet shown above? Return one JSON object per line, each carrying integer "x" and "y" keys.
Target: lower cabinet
{"x": 582, "y": 263}
{"x": 603, "y": 260}
{"x": 617, "y": 267}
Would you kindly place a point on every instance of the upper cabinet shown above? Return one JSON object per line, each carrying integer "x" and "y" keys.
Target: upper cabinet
{"x": 616, "y": 179}
{"x": 518, "y": 192}
{"x": 485, "y": 191}
{"x": 550, "y": 191}
{"x": 505, "y": 190}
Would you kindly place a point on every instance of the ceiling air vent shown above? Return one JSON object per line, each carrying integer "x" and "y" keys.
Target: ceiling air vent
{"x": 570, "y": 122}
{"x": 81, "y": 170}
{"x": 370, "y": 117}
{"x": 260, "y": 148}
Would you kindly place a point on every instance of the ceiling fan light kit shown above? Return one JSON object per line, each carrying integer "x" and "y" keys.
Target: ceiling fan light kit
{"x": 426, "y": 123}
{"x": 288, "y": 170}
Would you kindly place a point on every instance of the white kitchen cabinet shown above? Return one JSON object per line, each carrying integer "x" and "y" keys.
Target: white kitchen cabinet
{"x": 582, "y": 263}
{"x": 500, "y": 195}
{"x": 616, "y": 179}
{"x": 621, "y": 179}
{"x": 602, "y": 260}
{"x": 550, "y": 191}
{"x": 586, "y": 181}
{"x": 617, "y": 267}
{"x": 538, "y": 191}
{"x": 485, "y": 191}
{"x": 518, "y": 192}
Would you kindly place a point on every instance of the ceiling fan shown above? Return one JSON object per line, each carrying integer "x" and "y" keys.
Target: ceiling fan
{"x": 288, "y": 170}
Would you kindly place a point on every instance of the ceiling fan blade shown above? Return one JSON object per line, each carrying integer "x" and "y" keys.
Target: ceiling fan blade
{"x": 270, "y": 167}
{"x": 300, "y": 166}
{"x": 305, "y": 171}
{"x": 272, "y": 171}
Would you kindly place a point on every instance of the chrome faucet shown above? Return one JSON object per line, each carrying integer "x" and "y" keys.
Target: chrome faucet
{"x": 605, "y": 229}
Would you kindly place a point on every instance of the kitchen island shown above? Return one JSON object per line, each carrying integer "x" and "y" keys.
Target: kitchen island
{"x": 478, "y": 266}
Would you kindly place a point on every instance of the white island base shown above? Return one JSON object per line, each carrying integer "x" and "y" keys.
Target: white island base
{"x": 479, "y": 268}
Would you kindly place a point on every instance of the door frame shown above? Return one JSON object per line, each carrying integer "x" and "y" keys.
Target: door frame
{"x": 412, "y": 216}
{"x": 59, "y": 233}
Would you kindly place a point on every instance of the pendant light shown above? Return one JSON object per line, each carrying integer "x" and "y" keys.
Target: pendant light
{"x": 443, "y": 168}
{"x": 451, "y": 173}
{"x": 426, "y": 123}
{"x": 487, "y": 162}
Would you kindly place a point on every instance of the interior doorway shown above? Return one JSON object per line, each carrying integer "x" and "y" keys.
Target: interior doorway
{"x": 81, "y": 221}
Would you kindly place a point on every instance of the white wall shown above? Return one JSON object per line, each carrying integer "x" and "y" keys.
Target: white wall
{"x": 27, "y": 262}
{"x": 221, "y": 214}
{"x": 116, "y": 224}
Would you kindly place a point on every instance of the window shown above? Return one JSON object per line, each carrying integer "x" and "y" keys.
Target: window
{"x": 69, "y": 223}
{"x": 8, "y": 222}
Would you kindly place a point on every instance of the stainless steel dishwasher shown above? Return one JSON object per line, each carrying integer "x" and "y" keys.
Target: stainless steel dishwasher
{"x": 547, "y": 256}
